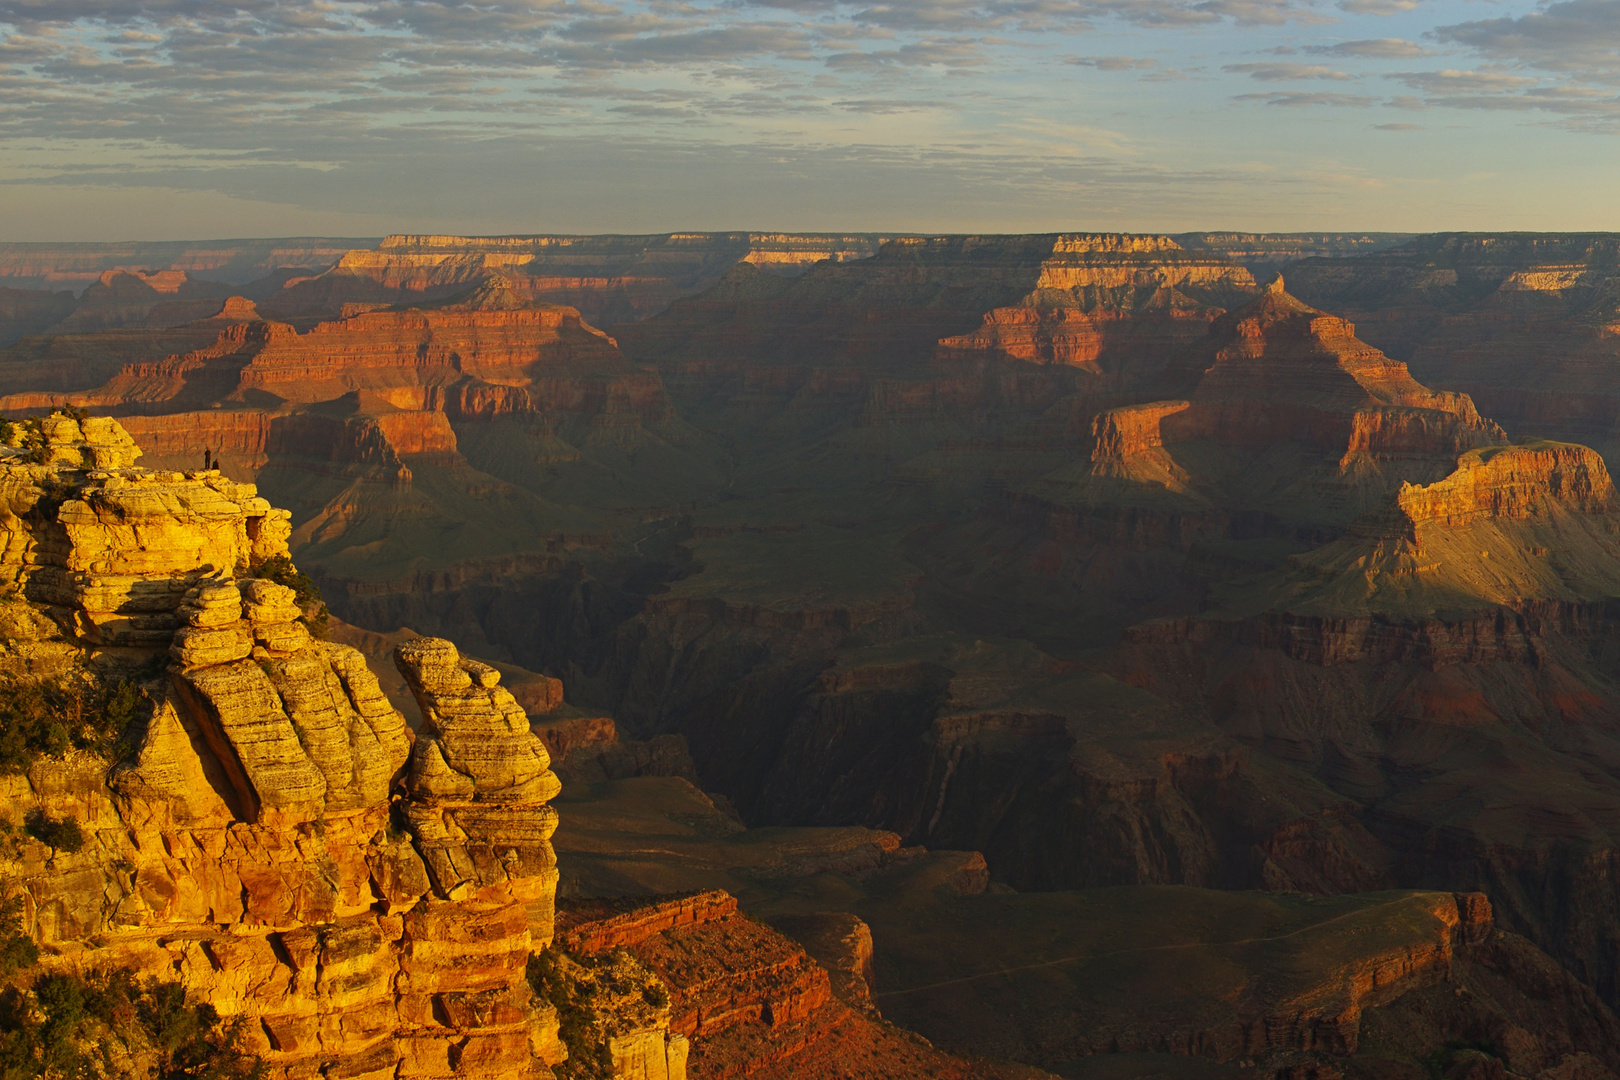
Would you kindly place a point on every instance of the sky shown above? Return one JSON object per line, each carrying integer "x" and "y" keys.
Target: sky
{"x": 186, "y": 119}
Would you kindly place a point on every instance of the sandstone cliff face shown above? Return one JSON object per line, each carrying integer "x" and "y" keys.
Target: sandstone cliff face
{"x": 380, "y": 350}
{"x": 928, "y": 331}
{"x": 742, "y": 998}
{"x": 1339, "y": 425}
{"x": 121, "y": 297}
{"x": 372, "y": 399}
{"x": 1278, "y": 369}
{"x": 1514, "y": 482}
{"x": 1530, "y": 529}
{"x": 1109, "y": 304}
{"x": 252, "y": 848}
{"x": 1479, "y": 311}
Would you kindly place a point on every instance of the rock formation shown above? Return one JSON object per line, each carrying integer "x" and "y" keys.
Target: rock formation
{"x": 1241, "y": 602}
{"x": 607, "y": 278}
{"x": 1110, "y": 303}
{"x": 1523, "y": 322}
{"x": 279, "y": 842}
{"x": 29, "y": 311}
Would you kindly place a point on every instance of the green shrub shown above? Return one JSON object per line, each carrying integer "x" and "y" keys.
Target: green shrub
{"x": 17, "y": 950}
{"x": 53, "y": 1029}
{"x": 64, "y": 835}
{"x": 588, "y": 1057}
{"x": 49, "y": 718}
{"x": 306, "y": 594}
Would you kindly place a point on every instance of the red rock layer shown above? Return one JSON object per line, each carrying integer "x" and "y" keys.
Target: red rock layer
{"x": 418, "y": 348}
{"x": 1279, "y": 369}
{"x": 1479, "y": 311}
{"x": 122, "y": 297}
{"x": 750, "y": 1000}
{"x": 249, "y": 439}
{"x": 1102, "y": 303}
{"x": 1132, "y": 429}
{"x": 1512, "y": 482}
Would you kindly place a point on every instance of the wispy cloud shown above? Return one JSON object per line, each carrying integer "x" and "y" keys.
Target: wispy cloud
{"x": 353, "y": 102}
{"x": 1281, "y": 72}
{"x": 1374, "y": 48}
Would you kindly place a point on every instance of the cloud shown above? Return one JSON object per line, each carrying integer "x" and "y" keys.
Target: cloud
{"x": 1304, "y": 99}
{"x": 1452, "y": 81}
{"x": 1577, "y": 36}
{"x": 1280, "y": 72}
{"x": 1374, "y": 48}
{"x": 323, "y": 100}
{"x": 1111, "y": 63}
{"x": 1378, "y": 7}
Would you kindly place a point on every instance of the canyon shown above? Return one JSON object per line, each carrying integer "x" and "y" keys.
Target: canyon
{"x": 1098, "y": 655}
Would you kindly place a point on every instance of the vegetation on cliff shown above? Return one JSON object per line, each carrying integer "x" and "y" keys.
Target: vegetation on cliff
{"x": 306, "y": 594}
{"x": 106, "y": 1024}
{"x": 80, "y": 711}
{"x": 596, "y": 998}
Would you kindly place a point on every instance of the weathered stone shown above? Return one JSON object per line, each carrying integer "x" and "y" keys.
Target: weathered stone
{"x": 203, "y": 646}
{"x": 480, "y": 781}
{"x": 262, "y": 812}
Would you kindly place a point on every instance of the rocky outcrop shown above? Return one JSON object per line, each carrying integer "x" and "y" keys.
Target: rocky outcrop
{"x": 1480, "y": 311}
{"x": 479, "y": 783}
{"x": 416, "y": 348}
{"x": 1133, "y": 429}
{"x": 1279, "y": 369}
{"x": 1511, "y": 483}
{"x": 1266, "y": 254}
{"x": 1516, "y": 537}
{"x": 121, "y": 297}
{"x": 1274, "y": 379}
{"x": 118, "y": 548}
{"x": 1109, "y": 304}
{"x": 743, "y": 999}
{"x": 268, "y": 844}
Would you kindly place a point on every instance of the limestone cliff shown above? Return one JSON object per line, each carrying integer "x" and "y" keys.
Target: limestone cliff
{"x": 1482, "y": 312}
{"x": 1338, "y": 425}
{"x": 1513, "y": 526}
{"x": 1105, "y": 303}
{"x": 276, "y": 840}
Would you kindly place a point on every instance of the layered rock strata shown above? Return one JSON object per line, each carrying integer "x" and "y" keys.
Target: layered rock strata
{"x": 1482, "y": 312}
{"x": 609, "y": 278}
{"x": 1106, "y": 303}
{"x": 743, "y": 999}
{"x": 1339, "y": 425}
{"x": 278, "y": 842}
